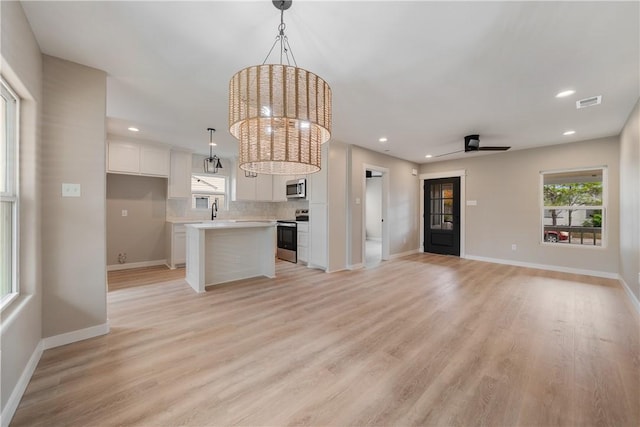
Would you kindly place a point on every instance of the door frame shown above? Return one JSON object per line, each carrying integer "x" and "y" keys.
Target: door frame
{"x": 385, "y": 201}
{"x": 463, "y": 204}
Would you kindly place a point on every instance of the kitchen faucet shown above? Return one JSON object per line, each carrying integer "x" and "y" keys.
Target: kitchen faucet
{"x": 214, "y": 209}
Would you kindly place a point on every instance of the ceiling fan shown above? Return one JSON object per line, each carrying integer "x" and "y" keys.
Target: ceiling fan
{"x": 472, "y": 143}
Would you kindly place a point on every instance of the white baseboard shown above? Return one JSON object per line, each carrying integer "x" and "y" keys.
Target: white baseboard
{"x": 630, "y": 294}
{"x": 595, "y": 273}
{"x": 18, "y": 391}
{"x": 129, "y": 265}
{"x": 74, "y": 336}
{"x": 401, "y": 254}
{"x": 355, "y": 266}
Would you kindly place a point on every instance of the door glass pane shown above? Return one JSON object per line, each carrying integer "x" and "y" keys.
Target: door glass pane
{"x": 447, "y": 206}
{"x": 447, "y": 191}
{"x": 435, "y": 191}
{"x": 436, "y": 222}
{"x": 435, "y": 207}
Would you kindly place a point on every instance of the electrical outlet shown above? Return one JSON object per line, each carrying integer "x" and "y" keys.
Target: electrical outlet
{"x": 514, "y": 247}
{"x": 70, "y": 190}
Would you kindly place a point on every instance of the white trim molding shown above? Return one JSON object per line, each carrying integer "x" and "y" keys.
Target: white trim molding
{"x": 18, "y": 391}
{"x": 355, "y": 266}
{"x": 74, "y": 336}
{"x": 594, "y": 273}
{"x": 128, "y": 265}
{"x": 630, "y": 294}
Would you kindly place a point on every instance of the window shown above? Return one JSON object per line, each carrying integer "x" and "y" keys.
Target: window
{"x": 8, "y": 194}
{"x": 206, "y": 189}
{"x": 574, "y": 207}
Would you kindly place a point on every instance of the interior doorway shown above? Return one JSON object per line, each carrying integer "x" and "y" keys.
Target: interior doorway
{"x": 375, "y": 243}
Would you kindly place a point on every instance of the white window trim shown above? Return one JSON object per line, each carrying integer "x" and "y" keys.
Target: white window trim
{"x": 226, "y": 193}
{"x": 603, "y": 208}
{"x": 6, "y": 300}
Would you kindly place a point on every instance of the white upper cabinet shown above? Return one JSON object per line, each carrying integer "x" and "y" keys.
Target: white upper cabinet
{"x": 123, "y": 157}
{"x": 137, "y": 159}
{"x": 259, "y": 188}
{"x": 154, "y": 160}
{"x": 279, "y": 187}
{"x": 264, "y": 188}
{"x": 179, "y": 186}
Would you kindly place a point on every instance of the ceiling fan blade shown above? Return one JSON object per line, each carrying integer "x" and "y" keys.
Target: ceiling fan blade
{"x": 502, "y": 148}
{"x": 446, "y": 154}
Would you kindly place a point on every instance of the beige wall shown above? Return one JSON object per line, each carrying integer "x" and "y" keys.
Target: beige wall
{"x": 402, "y": 205}
{"x": 337, "y": 189}
{"x": 20, "y": 323}
{"x": 73, "y": 229}
{"x": 506, "y": 187}
{"x": 630, "y": 202}
{"x": 140, "y": 234}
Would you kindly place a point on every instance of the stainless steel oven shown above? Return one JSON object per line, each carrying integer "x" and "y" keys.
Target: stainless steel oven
{"x": 287, "y": 241}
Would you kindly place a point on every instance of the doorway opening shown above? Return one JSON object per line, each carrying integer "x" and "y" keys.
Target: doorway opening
{"x": 375, "y": 243}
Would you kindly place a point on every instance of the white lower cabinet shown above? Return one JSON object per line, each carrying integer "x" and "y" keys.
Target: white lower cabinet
{"x": 303, "y": 242}
{"x": 176, "y": 247}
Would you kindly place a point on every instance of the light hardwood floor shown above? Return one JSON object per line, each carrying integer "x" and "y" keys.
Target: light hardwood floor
{"x": 421, "y": 340}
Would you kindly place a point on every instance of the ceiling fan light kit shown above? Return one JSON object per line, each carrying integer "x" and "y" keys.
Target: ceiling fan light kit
{"x": 280, "y": 113}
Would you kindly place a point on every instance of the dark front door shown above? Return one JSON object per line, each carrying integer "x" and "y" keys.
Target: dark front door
{"x": 442, "y": 216}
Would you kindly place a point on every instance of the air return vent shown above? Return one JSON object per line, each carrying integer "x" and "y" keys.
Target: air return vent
{"x": 589, "y": 102}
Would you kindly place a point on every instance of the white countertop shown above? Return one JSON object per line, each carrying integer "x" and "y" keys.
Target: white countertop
{"x": 183, "y": 221}
{"x": 197, "y": 221}
{"x": 217, "y": 224}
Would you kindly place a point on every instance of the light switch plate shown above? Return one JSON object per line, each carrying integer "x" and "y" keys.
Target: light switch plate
{"x": 472, "y": 203}
{"x": 70, "y": 190}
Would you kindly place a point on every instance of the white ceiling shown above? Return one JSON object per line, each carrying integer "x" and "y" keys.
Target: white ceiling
{"x": 422, "y": 74}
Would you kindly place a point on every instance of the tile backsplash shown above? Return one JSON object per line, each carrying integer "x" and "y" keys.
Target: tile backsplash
{"x": 181, "y": 208}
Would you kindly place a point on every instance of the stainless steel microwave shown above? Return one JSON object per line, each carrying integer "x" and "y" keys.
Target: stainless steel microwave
{"x": 297, "y": 189}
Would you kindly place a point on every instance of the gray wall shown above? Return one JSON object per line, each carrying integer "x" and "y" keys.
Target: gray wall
{"x": 404, "y": 197}
{"x": 140, "y": 234}
{"x": 630, "y": 202}
{"x": 73, "y": 229}
{"x": 21, "y": 321}
{"x": 507, "y": 188}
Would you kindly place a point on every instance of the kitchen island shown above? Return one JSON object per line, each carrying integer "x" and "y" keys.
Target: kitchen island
{"x": 224, "y": 251}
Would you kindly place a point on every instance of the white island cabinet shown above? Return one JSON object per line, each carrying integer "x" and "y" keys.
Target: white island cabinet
{"x": 224, "y": 251}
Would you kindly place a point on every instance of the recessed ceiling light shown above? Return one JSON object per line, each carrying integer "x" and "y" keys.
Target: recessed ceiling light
{"x": 383, "y": 139}
{"x": 133, "y": 129}
{"x": 565, "y": 93}
{"x": 428, "y": 156}
{"x": 569, "y": 132}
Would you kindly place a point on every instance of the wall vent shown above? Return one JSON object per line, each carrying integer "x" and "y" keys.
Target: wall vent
{"x": 588, "y": 102}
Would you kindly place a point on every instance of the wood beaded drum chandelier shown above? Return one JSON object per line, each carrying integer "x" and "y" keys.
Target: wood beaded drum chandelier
{"x": 279, "y": 113}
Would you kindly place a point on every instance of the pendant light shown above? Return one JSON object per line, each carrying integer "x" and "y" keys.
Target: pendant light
{"x": 279, "y": 113}
{"x": 212, "y": 163}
